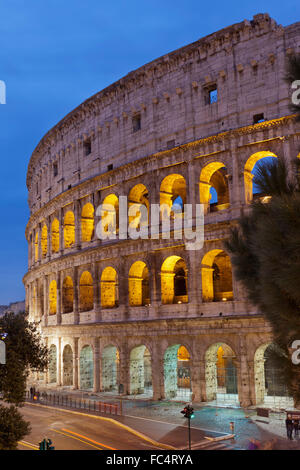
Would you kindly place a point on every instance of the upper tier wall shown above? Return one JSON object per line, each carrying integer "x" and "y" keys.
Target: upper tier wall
{"x": 165, "y": 104}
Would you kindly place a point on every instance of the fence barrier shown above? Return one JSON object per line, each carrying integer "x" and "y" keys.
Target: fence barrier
{"x": 66, "y": 401}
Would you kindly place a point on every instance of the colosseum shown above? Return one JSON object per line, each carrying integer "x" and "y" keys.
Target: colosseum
{"x": 148, "y": 317}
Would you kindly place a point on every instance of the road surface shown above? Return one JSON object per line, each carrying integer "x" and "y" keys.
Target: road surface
{"x": 70, "y": 431}
{"x": 78, "y": 431}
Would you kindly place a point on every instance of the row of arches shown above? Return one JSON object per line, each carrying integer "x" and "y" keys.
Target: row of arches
{"x": 216, "y": 284}
{"x": 221, "y": 372}
{"x": 213, "y": 193}
{"x": 87, "y": 231}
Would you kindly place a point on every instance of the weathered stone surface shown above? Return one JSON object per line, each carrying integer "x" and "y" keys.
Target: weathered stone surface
{"x": 156, "y": 135}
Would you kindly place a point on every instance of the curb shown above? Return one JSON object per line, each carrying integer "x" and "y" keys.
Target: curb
{"x": 111, "y": 420}
{"x": 221, "y": 438}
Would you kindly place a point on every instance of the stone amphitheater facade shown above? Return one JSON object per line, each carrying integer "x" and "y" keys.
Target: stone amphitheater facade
{"x": 148, "y": 315}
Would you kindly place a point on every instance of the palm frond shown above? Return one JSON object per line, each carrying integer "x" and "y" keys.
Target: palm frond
{"x": 272, "y": 178}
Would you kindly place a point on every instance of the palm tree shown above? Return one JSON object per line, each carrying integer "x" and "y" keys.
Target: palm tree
{"x": 265, "y": 253}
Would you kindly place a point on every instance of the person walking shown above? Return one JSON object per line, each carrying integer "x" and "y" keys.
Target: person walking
{"x": 31, "y": 393}
{"x": 289, "y": 427}
{"x": 296, "y": 427}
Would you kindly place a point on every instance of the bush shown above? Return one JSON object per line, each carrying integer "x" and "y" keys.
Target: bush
{"x": 12, "y": 427}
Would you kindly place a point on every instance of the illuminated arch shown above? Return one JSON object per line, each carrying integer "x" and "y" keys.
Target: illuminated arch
{"x": 110, "y": 217}
{"x": 140, "y": 371}
{"x": 36, "y": 247}
{"x": 138, "y": 195}
{"x": 32, "y": 257}
{"x": 173, "y": 188}
{"x": 138, "y": 284}
{"x": 34, "y": 301}
{"x": 216, "y": 273}
{"x": 110, "y": 368}
{"x": 221, "y": 374}
{"x": 87, "y": 222}
{"x": 67, "y": 295}
{"x": 213, "y": 175}
{"x": 55, "y": 236}
{"x": 270, "y": 387}
{"x": 67, "y": 365}
{"x": 248, "y": 175}
{"x": 53, "y": 298}
{"x": 86, "y": 292}
{"x": 69, "y": 229}
{"x": 86, "y": 368}
{"x": 174, "y": 281}
{"x": 109, "y": 288}
{"x": 52, "y": 366}
{"x": 44, "y": 241}
{"x": 177, "y": 375}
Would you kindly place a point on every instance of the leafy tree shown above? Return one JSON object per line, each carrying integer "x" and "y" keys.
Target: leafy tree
{"x": 24, "y": 351}
{"x": 265, "y": 253}
{"x": 12, "y": 427}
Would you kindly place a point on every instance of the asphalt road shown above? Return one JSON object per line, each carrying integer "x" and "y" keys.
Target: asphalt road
{"x": 70, "y": 431}
{"x": 77, "y": 432}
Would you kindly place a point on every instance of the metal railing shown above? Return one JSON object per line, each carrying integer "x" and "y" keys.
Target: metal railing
{"x": 65, "y": 401}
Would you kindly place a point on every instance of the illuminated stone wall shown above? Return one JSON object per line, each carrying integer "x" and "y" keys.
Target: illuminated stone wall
{"x": 245, "y": 61}
{"x": 84, "y": 290}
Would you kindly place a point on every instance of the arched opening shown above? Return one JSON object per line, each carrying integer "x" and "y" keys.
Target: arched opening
{"x": 87, "y": 222}
{"x": 139, "y": 284}
{"x": 34, "y": 303}
{"x": 52, "y": 298}
{"x": 138, "y": 196}
{"x": 221, "y": 375}
{"x": 270, "y": 387}
{"x": 36, "y": 247}
{"x": 110, "y": 215}
{"x": 86, "y": 363}
{"x": 216, "y": 274}
{"x": 44, "y": 241}
{"x": 213, "y": 187}
{"x": 69, "y": 229}
{"x": 110, "y": 369}
{"x": 55, "y": 236}
{"x": 31, "y": 249}
{"x": 174, "y": 281}
{"x": 40, "y": 297}
{"x": 67, "y": 366}
{"x": 109, "y": 288}
{"x": 86, "y": 292}
{"x": 177, "y": 374}
{"x": 140, "y": 371}
{"x": 67, "y": 295}
{"x": 172, "y": 191}
{"x": 251, "y": 191}
{"x": 52, "y": 367}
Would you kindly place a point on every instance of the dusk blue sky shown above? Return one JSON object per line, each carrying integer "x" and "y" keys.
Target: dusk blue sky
{"x": 56, "y": 53}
